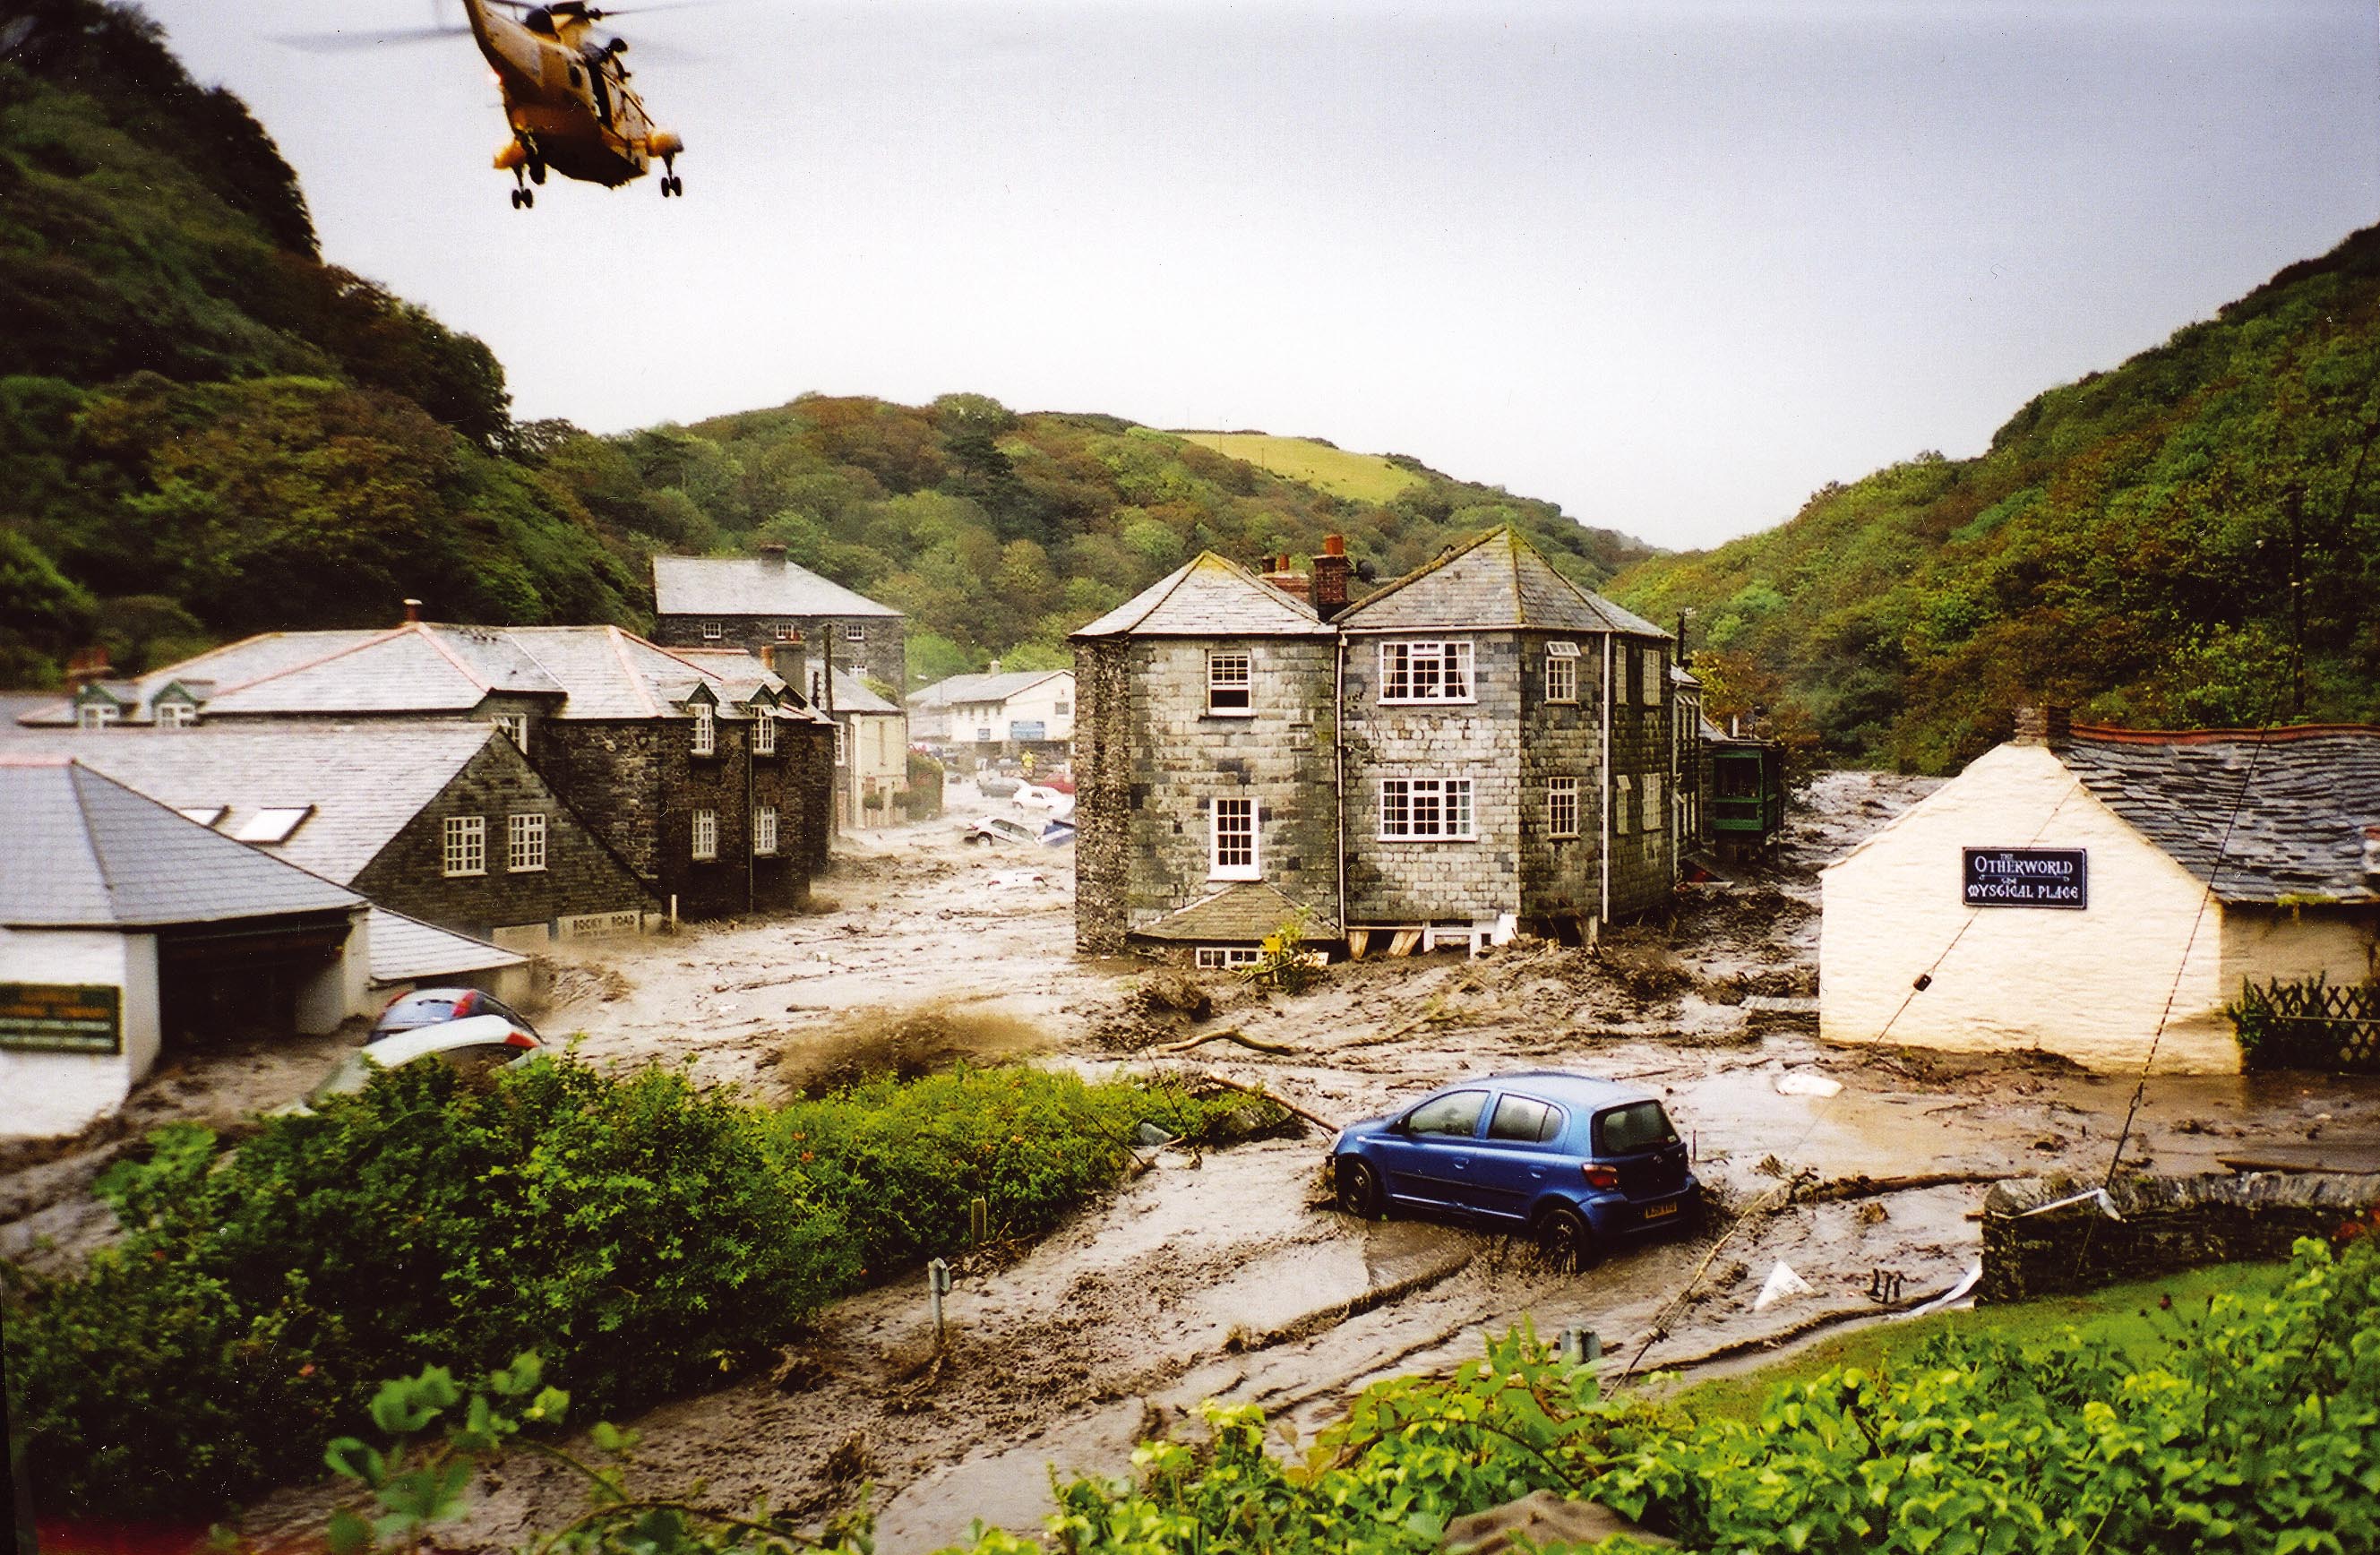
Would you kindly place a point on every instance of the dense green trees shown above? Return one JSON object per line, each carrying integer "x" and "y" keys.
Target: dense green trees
{"x": 2192, "y": 539}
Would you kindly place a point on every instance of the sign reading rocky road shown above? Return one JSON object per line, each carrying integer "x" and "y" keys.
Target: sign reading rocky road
{"x": 55, "y": 1018}
{"x": 2027, "y": 876}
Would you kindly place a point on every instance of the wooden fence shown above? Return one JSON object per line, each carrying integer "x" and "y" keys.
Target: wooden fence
{"x": 2309, "y": 1025}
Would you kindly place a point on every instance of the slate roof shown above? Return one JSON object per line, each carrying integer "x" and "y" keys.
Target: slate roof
{"x": 852, "y": 695}
{"x": 1494, "y": 581}
{"x": 752, "y": 586}
{"x": 945, "y": 693}
{"x": 362, "y": 782}
{"x": 735, "y": 674}
{"x": 1209, "y": 596}
{"x": 81, "y": 851}
{"x": 405, "y": 949}
{"x": 418, "y": 667}
{"x": 1236, "y": 915}
{"x": 235, "y": 664}
{"x": 1000, "y": 687}
{"x": 2299, "y": 833}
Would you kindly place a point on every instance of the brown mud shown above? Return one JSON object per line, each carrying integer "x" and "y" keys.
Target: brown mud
{"x": 1223, "y": 1276}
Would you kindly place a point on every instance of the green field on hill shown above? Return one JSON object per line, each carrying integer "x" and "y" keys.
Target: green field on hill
{"x": 1359, "y": 477}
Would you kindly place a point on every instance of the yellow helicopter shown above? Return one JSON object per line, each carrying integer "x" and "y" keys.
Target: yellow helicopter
{"x": 566, "y": 94}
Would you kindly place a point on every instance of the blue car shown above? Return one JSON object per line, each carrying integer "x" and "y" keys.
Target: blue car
{"x": 1577, "y": 1163}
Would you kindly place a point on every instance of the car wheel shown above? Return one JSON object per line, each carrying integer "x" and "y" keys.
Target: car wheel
{"x": 1359, "y": 1189}
{"x": 1564, "y": 1237}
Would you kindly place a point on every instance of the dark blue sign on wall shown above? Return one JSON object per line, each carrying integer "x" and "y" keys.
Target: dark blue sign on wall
{"x": 2027, "y": 876}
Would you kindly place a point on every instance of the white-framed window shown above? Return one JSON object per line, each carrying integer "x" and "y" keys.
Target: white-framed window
{"x": 1062, "y": 707}
{"x": 95, "y": 715}
{"x": 1226, "y": 958}
{"x": 1232, "y": 831}
{"x": 706, "y": 729}
{"x": 176, "y": 715}
{"x": 1561, "y": 806}
{"x": 764, "y": 829}
{"x": 764, "y": 732}
{"x": 1623, "y": 804}
{"x": 1422, "y": 809}
{"x": 706, "y": 834}
{"x": 855, "y": 631}
{"x": 1426, "y": 672}
{"x": 1561, "y": 672}
{"x": 1229, "y": 684}
{"x": 1655, "y": 814}
{"x": 525, "y": 842}
{"x": 465, "y": 851}
{"x": 785, "y": 630}
{"x": 843, "y": 744}
{"x": 1654, "y": 673}
{"x": 713, "y": 631}
{"x": 515, "y": 725}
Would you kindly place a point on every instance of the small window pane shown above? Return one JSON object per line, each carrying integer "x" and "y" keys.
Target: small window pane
{"x": 1457, "y": 1114}
{"x": 1229, "y": 680}
{"x": 466, "y": 840}
{"x": 525, "y": 842}
{"x": 706, "y": 834}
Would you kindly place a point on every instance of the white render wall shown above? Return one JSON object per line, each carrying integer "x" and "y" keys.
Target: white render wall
{"x": 2089, "y": 985}
{"x": 49, "y": 1094}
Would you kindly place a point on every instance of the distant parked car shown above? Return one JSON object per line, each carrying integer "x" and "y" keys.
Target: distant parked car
{"x": 996, "y": 828}
{"x": 435, "y": 1006}
{"x": 992, "y": 785}
{"x": 475, "y": 1045}
{"x": 1034, "y": 797}
{"x": 1578, "y": 1163}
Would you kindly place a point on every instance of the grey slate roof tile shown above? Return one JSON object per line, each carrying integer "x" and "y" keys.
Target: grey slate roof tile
{"x": 752, "y": 586}
{"x": 81, "y": 851}
{"x": 1209, "y": 596}
{"x": 1236, "y": 915}
{"x": 1495, "y": 580}
{"x": 405, "y": 949}
{"x": 2303, "y": 797}
{"x": 363, "y": 782}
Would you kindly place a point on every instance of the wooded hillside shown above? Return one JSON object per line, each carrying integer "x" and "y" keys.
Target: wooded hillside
{"x": 2191, "y": 538}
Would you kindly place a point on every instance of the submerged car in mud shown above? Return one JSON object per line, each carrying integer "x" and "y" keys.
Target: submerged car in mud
{"x": 1577, "y": 1163}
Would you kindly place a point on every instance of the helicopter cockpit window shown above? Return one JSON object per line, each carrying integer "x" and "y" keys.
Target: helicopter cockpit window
{"x": 540, "y": 21}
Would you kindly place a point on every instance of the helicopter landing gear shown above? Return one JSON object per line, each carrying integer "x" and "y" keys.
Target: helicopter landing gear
{"x": 672, "y": 185}
{"x": 523, "y": 199}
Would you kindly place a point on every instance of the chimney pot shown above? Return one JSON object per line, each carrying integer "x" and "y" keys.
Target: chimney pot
{"x": 773, "y": 553}
{"x": 1335, "y": 545}
{"x": 84, "y": 666}
{"x": 413, "y": 610}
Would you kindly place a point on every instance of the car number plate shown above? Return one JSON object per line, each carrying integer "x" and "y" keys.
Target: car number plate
{"x": 1655, "y": 1211}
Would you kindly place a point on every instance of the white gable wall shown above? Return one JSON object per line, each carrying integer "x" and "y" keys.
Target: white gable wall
{"x": 2089, "y": 985}
{"x": 58, "y": 1093}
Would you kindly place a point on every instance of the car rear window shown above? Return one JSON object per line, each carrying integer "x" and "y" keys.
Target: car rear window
{"x": 1456, "y": 1114}
{"x": 1632, "y": 1129}
{"x": 416, "y": 1009}
{"x": 1519, "y": 1118}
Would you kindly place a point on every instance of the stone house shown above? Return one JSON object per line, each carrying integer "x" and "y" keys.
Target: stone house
{"x": 1476, "y": 747}
{"x": 443, "y": 819}
{"x": 714, "y": 784}
{"x": 2101, "y": 892}
{"x": 127, "y": 929}
{"x": 765, "y": 601}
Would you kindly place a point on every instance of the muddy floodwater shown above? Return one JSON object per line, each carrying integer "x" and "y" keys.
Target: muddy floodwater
{"x": 1227, "y": 1276}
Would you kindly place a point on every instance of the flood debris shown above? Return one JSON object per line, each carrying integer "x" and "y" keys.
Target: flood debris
{"x": 1542, "y": 1519}
{"x": 1782, "y": 1285}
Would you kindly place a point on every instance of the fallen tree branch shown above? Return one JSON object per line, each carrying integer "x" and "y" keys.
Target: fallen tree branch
{"x": 1873, "y": 1187}
{"x": 1212, "y": 1078}
{"x": 1228, "y": 1034}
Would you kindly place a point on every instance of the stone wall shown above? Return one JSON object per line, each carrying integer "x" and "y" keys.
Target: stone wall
{"x": 1561, "y": 876}
{"x": 1644, "y": 859}
{"x": 1424, "y": 882}
{"x": 1182, "y": 758}
{"x": 884, "y": 655}
{"x": 582, "y": 874}
{"x": 2168, "y": 1223}
{"x": 1103, "y": 793}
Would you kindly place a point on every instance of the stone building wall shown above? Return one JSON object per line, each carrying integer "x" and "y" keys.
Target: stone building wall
{"x": 2167, "y": 1224}
{"x": 1103, "y": 793}
{"x": 884, "y": 655}
{"x": 581, "y": 873}
{"x": 1561, "y": 876}
{"x": 1644, "y": 857}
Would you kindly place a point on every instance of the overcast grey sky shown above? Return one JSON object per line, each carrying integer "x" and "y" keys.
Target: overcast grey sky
{"x": 1673, "y": 265}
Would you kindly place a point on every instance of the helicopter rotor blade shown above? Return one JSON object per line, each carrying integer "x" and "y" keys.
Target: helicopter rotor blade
{"x": 340, "y": 43}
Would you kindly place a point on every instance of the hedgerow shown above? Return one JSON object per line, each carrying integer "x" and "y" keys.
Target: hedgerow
{"x": 643, "y": 1235}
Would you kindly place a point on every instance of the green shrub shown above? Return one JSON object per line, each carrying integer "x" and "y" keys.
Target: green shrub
{"x": 2250, "y": 1432}
{"x": 646, "y": 1235}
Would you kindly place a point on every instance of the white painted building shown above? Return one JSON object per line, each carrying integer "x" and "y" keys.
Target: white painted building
{"x": 126, "y": 927}
{"x": 997, "y": 713}
{"x": 2076, "y": 889}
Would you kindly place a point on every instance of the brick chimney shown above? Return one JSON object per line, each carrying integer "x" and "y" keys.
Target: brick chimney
{"x": 412, "y": 611}
{"x": 1287, "y": 578}
{"x": 773, "y": 555}
{"x": 85, "y": 665}
{"x": 2051, "y": 727}
{"x": 1330, "y": 570}
{"x": 789, "y": 659}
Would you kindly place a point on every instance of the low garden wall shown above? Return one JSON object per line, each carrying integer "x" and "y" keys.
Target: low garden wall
{"x": 2167, "y": 1224}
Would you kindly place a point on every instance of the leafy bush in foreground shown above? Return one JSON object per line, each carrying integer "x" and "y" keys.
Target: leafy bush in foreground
{"x": 645, "y": 1235}
{"x": 2253, "y": 1432}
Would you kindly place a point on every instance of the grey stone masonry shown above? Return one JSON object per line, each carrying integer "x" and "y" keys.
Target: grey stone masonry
{"x": 567, "y": 870}
{"x": 880, "y": 650}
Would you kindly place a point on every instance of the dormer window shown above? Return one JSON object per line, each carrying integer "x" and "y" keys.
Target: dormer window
{"x": 706, "y": 729}
{"x": 176, "y": 715}
{"x": 95, "y": 715}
